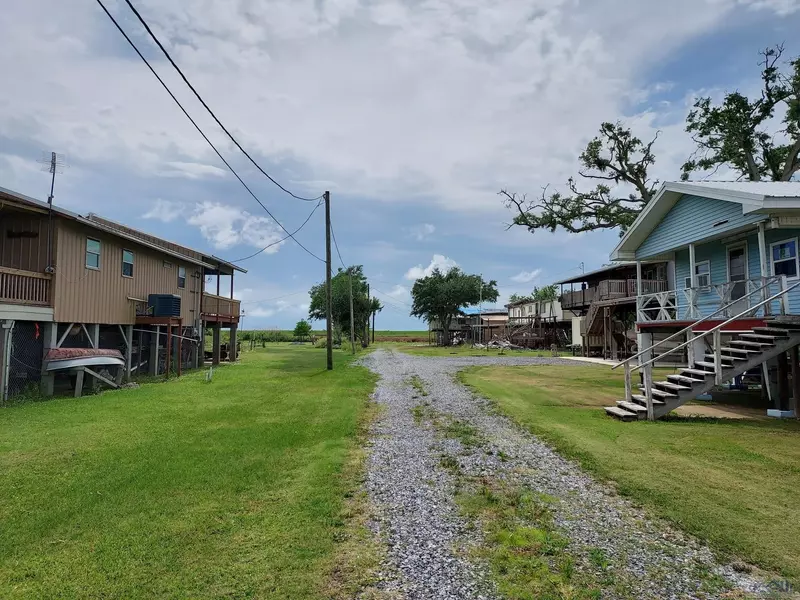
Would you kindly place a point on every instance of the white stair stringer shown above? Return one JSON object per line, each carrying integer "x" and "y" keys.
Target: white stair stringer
{"x": 697, "y": 380}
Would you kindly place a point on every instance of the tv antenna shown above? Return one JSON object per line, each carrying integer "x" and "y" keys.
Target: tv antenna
{"x": 53, "y": 162}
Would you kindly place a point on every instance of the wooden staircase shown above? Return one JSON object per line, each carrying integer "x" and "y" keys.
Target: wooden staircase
{"x": 747, "y": 351}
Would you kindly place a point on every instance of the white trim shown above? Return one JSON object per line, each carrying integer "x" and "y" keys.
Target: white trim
{"x": 734, "y": 246}
{"x": 86, "y": 253}
{"x": 796, "y": 257}
{"x": 132, "y": 263}
{"x": 696, "y": 265}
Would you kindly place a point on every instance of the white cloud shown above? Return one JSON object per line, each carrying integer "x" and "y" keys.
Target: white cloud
{"x": 422, "y": 231}
{"x": 526, "y": 276}
{"x": 438, "y": 261}
{"x": 165, "y": 210}
{"x": 398, "y": 292}
{"x": 465, "y": 84}
{"x": 225, "y": 226}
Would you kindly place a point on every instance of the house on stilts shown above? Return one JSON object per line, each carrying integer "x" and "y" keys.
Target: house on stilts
{"x": 83, "y": 295}
{"x": 732, "y": 305}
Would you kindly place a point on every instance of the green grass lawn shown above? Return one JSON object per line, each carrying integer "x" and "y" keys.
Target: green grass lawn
{"x": 731, "y": 482}
{"x": 183, "y": 489}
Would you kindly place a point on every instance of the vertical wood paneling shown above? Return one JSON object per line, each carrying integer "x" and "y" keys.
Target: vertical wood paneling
{"x": 24, "y": 253}
{"x": 101, "y": 296}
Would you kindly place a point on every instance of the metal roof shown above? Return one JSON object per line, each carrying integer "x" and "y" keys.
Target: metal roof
{"x": 768, "y": 189}
{"x": 89, "y": 222}
{"x": 474, "y": 310}
{"x": 590, "y": 274}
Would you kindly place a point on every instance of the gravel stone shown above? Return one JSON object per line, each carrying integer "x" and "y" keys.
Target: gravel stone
{"x": 428, "y": 542}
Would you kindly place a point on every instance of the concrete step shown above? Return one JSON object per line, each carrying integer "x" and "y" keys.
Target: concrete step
{"x": 682, "y": 379}
{"x": 637, "y": 409}
{"x": 703, "y": 374}
{"x": 639, "y": 399}
{"x": 675, "y": 387}
{"x": 621, "y": 413}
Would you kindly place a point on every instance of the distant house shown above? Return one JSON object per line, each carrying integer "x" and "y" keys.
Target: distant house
{"x": 72, "y": 281}
{"x": 732, "y": 298}
{"x": 604, "y": 304}
{"x": 473, "y": 325}
{"x": 540, "y": 323}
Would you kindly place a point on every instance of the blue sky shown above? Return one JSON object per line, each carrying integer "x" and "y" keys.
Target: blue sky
{"x": 413, "y": 113}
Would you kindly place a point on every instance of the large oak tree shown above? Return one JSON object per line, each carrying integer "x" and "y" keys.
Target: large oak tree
{"x": 441, "y": 295}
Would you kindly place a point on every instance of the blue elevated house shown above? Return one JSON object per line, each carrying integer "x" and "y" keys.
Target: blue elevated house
{"x": 732, "y": 302}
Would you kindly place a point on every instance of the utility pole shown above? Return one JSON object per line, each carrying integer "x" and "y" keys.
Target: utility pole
{"x": 366, "y": 327}
{"x": 328, "y": 292}
{"x": 373, "y": 325}
{"x": 352, "y": 323}
{"x": 480, "y": 310}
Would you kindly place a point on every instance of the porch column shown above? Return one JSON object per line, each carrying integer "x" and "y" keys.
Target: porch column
{"x": 638, "y": 288}
{"x": 763, "y": 262}
{"x": 794, "y": 357}
{"x": 783, "y": 382}
{"x": 153, "y": 366}
{"x": 128, "y": 351}
{"x": 50, "y": 339}
{"x": 94, "y": 331}
{"x": 693, "y": 280}
{"x": 233, "y": 354}
{"x": 215, "y": 330}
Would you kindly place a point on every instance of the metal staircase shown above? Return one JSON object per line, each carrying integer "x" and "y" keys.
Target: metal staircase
{"x": 724, "y": 362}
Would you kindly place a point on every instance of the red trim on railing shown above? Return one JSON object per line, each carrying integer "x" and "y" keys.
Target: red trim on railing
{"x": 740, "y": 325}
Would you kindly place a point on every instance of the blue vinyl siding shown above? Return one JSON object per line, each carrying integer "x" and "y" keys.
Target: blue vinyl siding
{"x": 692, "y": 219}
{"x": 716, "y": 253}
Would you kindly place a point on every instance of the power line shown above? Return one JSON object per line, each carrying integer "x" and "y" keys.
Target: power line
{"x": 308, "y": 218}
{"x": 333, "y": 234}
{"x": 200, "y": 131}
{"x": 211, "y": 112}
{"x": 393, "y": 299}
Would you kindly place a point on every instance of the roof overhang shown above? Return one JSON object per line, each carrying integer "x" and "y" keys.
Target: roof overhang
{"x": 757, "y": 199}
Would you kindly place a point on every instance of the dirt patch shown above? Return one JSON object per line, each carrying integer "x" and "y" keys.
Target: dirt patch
{"x": 720, "y": 411}
{"x": 402, "y": 338}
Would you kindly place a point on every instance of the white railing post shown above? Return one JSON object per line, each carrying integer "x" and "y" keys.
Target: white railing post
{"x": 764, "y": 295}
{"x": 717, "y": 337}
{"x": 648, "y": 391}
{"x": 628, "y": 386}
{"x": 690, "y": 348}
{"x": 784, "y": 296}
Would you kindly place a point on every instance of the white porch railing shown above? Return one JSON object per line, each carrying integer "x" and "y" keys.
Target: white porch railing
{"x": 691, "y": 303}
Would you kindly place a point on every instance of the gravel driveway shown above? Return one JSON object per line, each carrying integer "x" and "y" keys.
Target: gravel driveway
{"x": 428, "y": 541}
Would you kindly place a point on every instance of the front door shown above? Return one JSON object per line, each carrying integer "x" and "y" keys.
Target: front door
{"x": 737, "y": 274}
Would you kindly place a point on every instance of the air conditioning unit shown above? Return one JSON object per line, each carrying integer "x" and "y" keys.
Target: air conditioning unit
{"x": 164, "y": 305}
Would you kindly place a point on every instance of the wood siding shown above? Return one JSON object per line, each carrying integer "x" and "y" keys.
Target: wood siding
{"x": 23, "y": 241}
{"x": 716, "y": 253}
{"x": 83, "y": 295}
{"x": 693, "y": 219}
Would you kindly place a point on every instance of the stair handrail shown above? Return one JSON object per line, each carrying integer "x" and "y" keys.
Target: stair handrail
{"x": 695, "y": 324}
{"x": 772, "y": 298}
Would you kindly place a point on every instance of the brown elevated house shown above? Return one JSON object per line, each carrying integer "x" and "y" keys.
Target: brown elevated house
{"x": 605, "y": 301}
{"x": 69, "y": 281}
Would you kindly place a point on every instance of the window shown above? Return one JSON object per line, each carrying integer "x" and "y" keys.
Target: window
{"x": 167, "y": 264}
{"x": 181, "y": 277}
{"x": 703, "y": 272}
{"x": 127, "y": 263}
{"x": 784, "y": 258}
{"x": 92, "y": 254}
